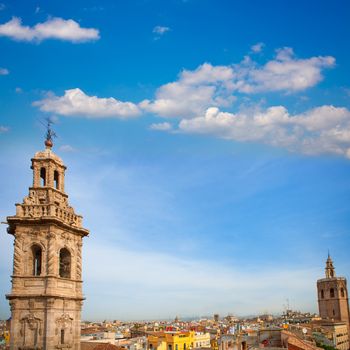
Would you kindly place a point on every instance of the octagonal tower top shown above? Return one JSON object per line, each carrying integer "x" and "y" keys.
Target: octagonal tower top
{"x": 47, "y": 200}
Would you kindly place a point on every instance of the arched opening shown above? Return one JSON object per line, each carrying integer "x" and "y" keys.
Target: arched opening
{"x": 331, "y": 292}
{"x": 37, "y": 254}
{"x": 43, "y": 177}
{"x": 62, "y": 336}
{"x": 56, "y": 178}
{"x": 65, "y": 263}
{"x": 322, "y": 294}
{"x": 332, "y": 273}
{"x": 342, "y": 293}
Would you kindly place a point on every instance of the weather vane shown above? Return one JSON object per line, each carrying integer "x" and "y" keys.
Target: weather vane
{"x": 49, "y": 133}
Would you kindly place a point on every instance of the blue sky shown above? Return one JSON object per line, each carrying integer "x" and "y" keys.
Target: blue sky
{"x": 207, "y": 145}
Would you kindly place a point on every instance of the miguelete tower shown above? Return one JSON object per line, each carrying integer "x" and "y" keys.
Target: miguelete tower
{"x": 333, "y": 303}
{"x": 46, "y": 296}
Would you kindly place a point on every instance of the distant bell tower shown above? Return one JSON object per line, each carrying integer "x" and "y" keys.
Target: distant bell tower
{"x": 46, "y": 295}
{"x": 333, "y": 303}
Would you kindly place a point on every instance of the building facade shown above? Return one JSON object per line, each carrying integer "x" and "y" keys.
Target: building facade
{"x": 337, "y": 333}
{"x": 182, "y": 340}
{"x": 46, "y": 295}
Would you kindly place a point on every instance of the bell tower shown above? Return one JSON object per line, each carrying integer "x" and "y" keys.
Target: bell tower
{"x": 333, "y": 302}
{"x": 46, "y": 296}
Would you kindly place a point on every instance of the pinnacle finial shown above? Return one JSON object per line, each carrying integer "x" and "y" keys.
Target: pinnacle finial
{"x": 330, "y": 271}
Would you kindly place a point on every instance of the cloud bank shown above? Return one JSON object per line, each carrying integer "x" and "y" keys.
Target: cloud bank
{"x": 53, "y": 28}
{"x": 320, "y": 130}
{"x": 219, "y": 86}
{"x": 200, "y": 97}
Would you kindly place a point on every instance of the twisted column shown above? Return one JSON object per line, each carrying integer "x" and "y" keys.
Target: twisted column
{"x": 79, "y": 263}
{"x": 17, "y": 255}
{"x": 51, "y": 254}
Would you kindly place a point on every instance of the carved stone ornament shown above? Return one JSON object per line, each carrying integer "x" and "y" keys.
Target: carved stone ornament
{"x": 32, "y": 322}
{"x": 64, "y": 322}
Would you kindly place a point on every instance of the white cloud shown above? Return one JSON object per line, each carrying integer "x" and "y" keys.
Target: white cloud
{"x": 4, "y": 71}
{"x": 161, "y": 126}
{"x": 198, "y": 96}
{"x": 217, "y": 86}
{"x": 53, "y": 28}
{"x": 193, "y": 92}
{"x": 160, "y": 30}
{"x": 76, "y": 103}
{"x": 284, "y": 73}
{"x": 18, "y": 90}
{"x": 257, "y": 47}
{"x": 4, "y": 129}
{"x": 320, "y": 130}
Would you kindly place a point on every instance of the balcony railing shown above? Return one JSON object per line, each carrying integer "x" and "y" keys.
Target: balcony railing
{"x": 47, "y": 211}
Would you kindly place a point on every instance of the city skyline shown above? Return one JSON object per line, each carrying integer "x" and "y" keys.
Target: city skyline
{"x": 207, "y": 146}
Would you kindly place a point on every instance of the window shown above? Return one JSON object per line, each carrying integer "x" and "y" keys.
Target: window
{"x": 43, "y": 176}
{"x": 342, "y": 293}
{"x": 322, "y": 294}
{"x": 62, "y": 336}
{"x": 36, "y": 253}
{"x": 176, "y": 347}
{"x": 331, "y": 291}
{"x": 184, "y": 346}
{"x": 65, "y": 263}
{"x": 56, "y": 178}
{"x": 169, "y": 347}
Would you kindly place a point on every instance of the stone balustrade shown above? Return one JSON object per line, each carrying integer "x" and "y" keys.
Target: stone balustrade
{"x": 46, "y": 211}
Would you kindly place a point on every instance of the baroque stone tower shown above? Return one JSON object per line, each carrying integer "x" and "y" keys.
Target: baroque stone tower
{"x": 333, "y": 303}
{"x": 46, "y": 296}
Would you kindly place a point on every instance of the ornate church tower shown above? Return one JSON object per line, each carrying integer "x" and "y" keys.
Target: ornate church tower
{"x": 46, "y": 296}
{"x": 333, "y": 303}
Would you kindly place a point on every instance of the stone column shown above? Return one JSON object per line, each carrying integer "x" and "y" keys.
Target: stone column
{"x": 79, "y": 261}
{"x": 51, "y": 256}
{"x": 50, "y": 335}
{"x": 36, "y": 176}
{"x": 17, "y": 255}
{"x": 15, "y": 326}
